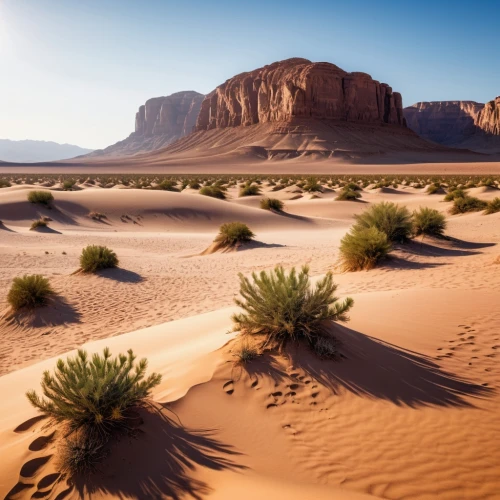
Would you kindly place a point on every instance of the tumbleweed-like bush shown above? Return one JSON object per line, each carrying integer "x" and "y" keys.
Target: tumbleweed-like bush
{"x": 29, "y": 291}
{"x": 428, "y": 221}
{"x": 213, "y": 192}
{"x": 363, "y": 248}
{"x": 455, "y": 193}
{"x": 249, "y": 190}
{"x": 95, "y": 257}
{"x": 272, "y": 204}
{"x": 42, "y": 197}
{"x": 233, "y": 233}
{"x": 285, "y": 307}
{"x": 348, "y": 195}
{"x": 493, "y": 206}
{"x": 94, "y": 394}
{"x": 37, "y": 224}
{"x": 467, "y": 204}
{"x": 390, "y": 218}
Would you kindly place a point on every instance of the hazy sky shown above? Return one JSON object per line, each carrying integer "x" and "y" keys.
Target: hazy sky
{"x": 77, "y": 70}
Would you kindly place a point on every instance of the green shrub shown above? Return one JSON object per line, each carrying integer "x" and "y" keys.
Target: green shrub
{"x": 42, "y": 197}
{"x": 493, "y": 206}
{"x": 245, "y": 353}
{"x": 251, "y": 190}
{"x": 312, "y": 185}
{"x": 326, "y": 347}
{"x": 391, "y": 219}
{"x": 348, "y": 195}
{"x": 428, "y": 221}
{"x": 4, "y": 183}
{"x": 271, "y": 204}
{"x": 94, "y": 395}
{"x": 38, "y": 224}
{"x": 97, "y": 216}
{"x": 194, "y": 184}
{"x": 81, "y": 454}
{"x": 68, "y": 185}
{"x": 95, "y": 257}
{"x": 233, "y": 233}
{"x": 30, "y": 291}
{"x": 352, "y": 186}
{"x": 213, "y": 192}
{"x": 363, "y": 248}
{"x": 455, "y": 193}
{"x": 167, "y": 185}
{"x": 284, "y": 307}
{"x": 432, "y": 189}
{"x": 467, "y": 204}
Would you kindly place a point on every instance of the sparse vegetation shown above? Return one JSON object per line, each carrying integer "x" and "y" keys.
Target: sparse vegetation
{"x": 455, "y": 193}
{"x": 271, "y": 204}
{"x": 42, "y": 197}
{"x": 433, "y": 189}
{"x": 68, "y": 184}
{"x": 312, "y": 185}
{"x": 167, "y": 185}
{"x": 249, "y": 190}
{"x": 96, "y": 257}
{"x": 38, "y": 224}
{"x": 363, "y": 248}
{"x": 348, "y": 195}
{"x": 29, "y": 291}
{"x": 81, "y": 454}
{"x": 493, "y": 206}
{"x": 213, "y": 192}
{"x": 284, "y": 307}
{"x": 428, "y": 221}
{"x": 232, "y": 234}
{"x": 4, "y": 183}
{"x": 97, "y": 216}
{"x": 390, "y": 218}
{"x": 467, "y": 204}
{"x": 245, "y": 353}
{"x": 326, "y": 347}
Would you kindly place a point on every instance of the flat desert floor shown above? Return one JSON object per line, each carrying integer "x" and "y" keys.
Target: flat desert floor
{"x": 410, "y": 412}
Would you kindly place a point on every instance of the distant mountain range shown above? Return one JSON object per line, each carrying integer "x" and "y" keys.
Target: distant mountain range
{"x": 36, "y": 151}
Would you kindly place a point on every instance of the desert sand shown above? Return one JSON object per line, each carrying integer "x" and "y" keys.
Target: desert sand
{"x": 411, "y": 411}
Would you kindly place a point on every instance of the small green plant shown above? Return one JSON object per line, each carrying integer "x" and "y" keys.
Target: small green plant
{"x": 29, "y": 291}
{"x": 249, "y": 190}
{"x": 42, "y": 197}
{"x": 4, "y": 183}
{"x": 95, "y": 257}
{"x": 312, "y": 185}
{"x": 93, "y": 395}
{"x": 493, "y": 206}
{"x": 363, "y": 248}
{"x": 348, "y": 195}
{"x": 271, "y": 204}
{"x": 68, "y": 185}
{"x": 167, "y": 185}
{"x": 194, "y": 184}
{"x": 432, "y": 189}
{"x": 467, "y": 204}
{"x": 232, "y": 234}
{"x": 428, "y": 221}
{"x": 352, "y": 186}
{"x": 213, "y": 192}
{"x": 284, "y": 307}
{"x": 38, "y": 224}
{"x": 245, "y": 353}
{"x": 390, "y": 218}
{"x": 455, "y": 193}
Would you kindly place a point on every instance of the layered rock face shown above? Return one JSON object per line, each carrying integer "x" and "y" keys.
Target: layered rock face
{"x": 298, "y": 88}
{"x": 461, "y": 124}
{"x": 158, "y": 123}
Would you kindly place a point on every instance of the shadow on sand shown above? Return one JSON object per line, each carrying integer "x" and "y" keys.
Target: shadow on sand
{"x": 120, "y": 275}
{"x": 375, "y": 369}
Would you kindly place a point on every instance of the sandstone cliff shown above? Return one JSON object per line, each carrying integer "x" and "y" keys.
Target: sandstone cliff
{"x": 459, "y": 124}
{"x": 158, "y": 123}
{"x": 298, "y": 88}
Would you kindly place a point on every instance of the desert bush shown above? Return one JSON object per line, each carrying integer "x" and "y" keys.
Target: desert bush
{"x": 363, "y": 248}
{"x": 233, "y": 233}
{"x": 352, "y": 186}
{"x": 493, "y": 206}
{"x": 94, "y": 395}
{"x": 245, "y": 353}
{"x": 271, "y": 204}
{"x": 432, "y": 189}
{"x": 213, "y": 192}
{"x": 194, "y": 184}
{"x": 68, "y": 185}
{"x": 37, "y": 224}
{"x": 284, "y": 307}
{"x": 81, "y": 454}
{"x": 455, "y": 193}
{"x": 97, "y": 216}
{"x": 312, "y": 185}
{"x": 326, "y": 347}
{"x": 278, "y": 187}
{"x": 168, "y": 185}
{"x": 30, "y": 291}
{"x": 467, "y": 204}
{"x": 42, "y": 197}
{"x": 348, "y": 195}
{"x": 488, "y": 183}
{"x": 4, "y": 183}
{"x": 428, "y": 221}
{"x": 249, "y": 190}
{"x": 388, "y": 217}
{"x": 95, "y": 257}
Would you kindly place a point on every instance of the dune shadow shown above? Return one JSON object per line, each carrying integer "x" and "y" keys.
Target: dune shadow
{"x": 471, "y": 245}
{"x": 441, "y": 247}
{"x": 399, "y": 262}
{"x": 3, "y": 227}
{"x": 251, "y": 245}
{"x": 160, "y": 461}
{"x": 120, "y": 274}
{"x": 46, "y": 230}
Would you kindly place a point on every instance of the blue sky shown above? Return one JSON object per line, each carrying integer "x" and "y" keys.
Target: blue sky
{"x": 77, "y": 70}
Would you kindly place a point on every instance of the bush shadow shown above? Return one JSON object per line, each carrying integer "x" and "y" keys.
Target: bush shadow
{"x": 121, "y": 275}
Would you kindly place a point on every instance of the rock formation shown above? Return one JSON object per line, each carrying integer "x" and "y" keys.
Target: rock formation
{"x": 158, "y": 123}
{"x": 459, "y": 124}
{"x": 298, "y": 88}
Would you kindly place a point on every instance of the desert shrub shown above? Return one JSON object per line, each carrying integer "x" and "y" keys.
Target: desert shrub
{"x": 250, "y": 190}
{"x": 68, "y": 185}
{"x": 4, "y": 183}
{"x": 233, "y": 233}
{"x": 352, "y": 186}
{"x": 37, "y": 224}
{"x": 428, "y": 221}
{"x": 388, "y": 217}
{"x": 493, "y": 206}
{"x": 312, "y": 185}
{"x": 81, "y": 454}
{"x": 97, "y": 216}
{"x": 30, "y": 291}
{"x": 455, "y": 193}
{"x": 278, "y": 187}
{"x": 348, "y": 195}
{"x": 432, "y": 189}
{"x": 195, "y": 184}
{"x": 488, "y": 183}
{"x": 326, "y": 347}
{"x": 467, "y": 204}
{"x": 42, "y": 197}
{"x": 167, "y": 185}
{"x": 284, "y": 307}
{"x": 271, "y": 204}
{"x": 245, "y": 353}
{"x": 95, "y": 257}
{"x": 363, "y": 248}
{"x": 213, "y": 192}
{"x": 93, "y": 395}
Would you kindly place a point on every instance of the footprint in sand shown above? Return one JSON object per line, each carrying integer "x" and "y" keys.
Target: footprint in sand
{"x": 228, "y": 387}
{"x": 18, "y": 488}
{"x": 26, "y": 426}
{"x": 31, "y": 467}
{"x": 41, "y": 442}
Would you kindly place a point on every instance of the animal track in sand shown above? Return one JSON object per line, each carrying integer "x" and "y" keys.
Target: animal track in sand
{"x": 229, "y": 387}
